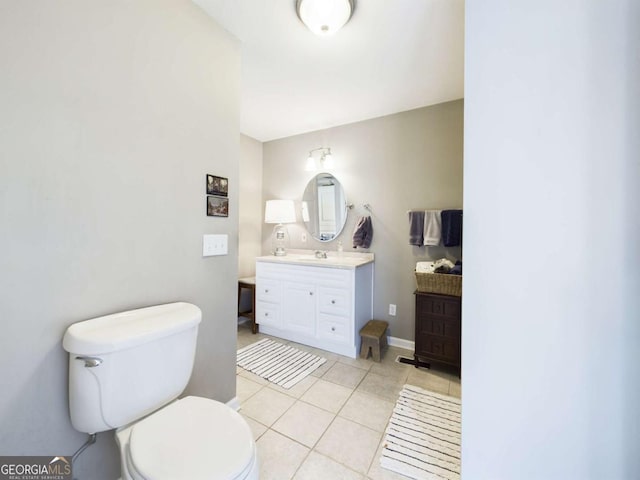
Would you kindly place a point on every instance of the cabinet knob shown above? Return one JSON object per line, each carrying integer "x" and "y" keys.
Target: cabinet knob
{"x": 310, "y": 293}
{"x": 266, "y": 314}
{"x": 266, "y": 290}
{"x": 333, "y": 329}
{"x": 333, "y": 302}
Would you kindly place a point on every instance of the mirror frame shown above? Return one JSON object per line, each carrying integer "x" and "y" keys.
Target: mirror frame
{"x": 310, "y": 197}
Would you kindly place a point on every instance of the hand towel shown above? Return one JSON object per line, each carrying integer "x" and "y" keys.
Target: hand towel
{"x": 432, "y": 228}
{"x": 451, "y": 227}
{"x": 416, "y": 228}
{"x": 424, "y": 267}
{"x": 363, "y": 233}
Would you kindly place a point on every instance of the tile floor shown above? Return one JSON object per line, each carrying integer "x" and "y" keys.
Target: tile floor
{"x": 331, "y": 424}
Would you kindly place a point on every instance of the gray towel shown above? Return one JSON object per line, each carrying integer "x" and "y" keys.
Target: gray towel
{"x": 363, "y": 233}
{"x": 416, "y": 228}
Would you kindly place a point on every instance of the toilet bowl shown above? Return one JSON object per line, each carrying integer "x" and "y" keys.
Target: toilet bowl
{"x": 126, "y": 372}
{"x": 192, "y": 438}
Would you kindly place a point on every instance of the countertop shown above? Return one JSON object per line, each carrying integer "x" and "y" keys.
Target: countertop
{"x": 350, "y": 260}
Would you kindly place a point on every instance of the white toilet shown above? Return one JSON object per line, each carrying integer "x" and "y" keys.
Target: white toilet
{"x": 126, "y": 371}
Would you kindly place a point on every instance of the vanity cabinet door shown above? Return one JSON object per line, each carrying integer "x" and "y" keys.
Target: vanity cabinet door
{"x": 268, "y": 314}
{"x": 321, "y": 306}
{"x": 299, "y": 307}
{"x": 268, "y": 302}
{"x": 335, "y": 301}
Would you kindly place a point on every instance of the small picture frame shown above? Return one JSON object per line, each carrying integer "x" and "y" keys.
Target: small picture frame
{"x": 217, "y": 206}
{"x": 217, "y": 186}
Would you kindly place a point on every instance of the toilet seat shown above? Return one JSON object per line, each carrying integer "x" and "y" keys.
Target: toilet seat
{"x": 194, "y": 438}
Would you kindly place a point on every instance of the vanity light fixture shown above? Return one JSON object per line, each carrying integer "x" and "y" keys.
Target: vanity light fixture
{"x": 326, "y": 159}
{"x": 325, "y": 17}
{"x": 279, "y": 212}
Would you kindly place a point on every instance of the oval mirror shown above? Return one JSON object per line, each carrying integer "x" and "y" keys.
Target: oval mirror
{"x": 324, "y": 207}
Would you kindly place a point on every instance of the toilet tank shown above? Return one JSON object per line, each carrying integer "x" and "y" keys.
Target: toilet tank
{"x": 126, "y": 365}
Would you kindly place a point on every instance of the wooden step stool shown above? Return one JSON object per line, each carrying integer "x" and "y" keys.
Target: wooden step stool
{"x": 374, "y": 337}
{"x": 248, "y": 283}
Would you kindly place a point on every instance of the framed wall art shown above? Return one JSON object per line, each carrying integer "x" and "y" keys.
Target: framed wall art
{"x": 217, "y": 206}
{"x": 217, "y": 186}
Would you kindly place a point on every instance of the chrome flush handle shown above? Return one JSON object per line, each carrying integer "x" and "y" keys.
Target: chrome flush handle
{"x": 90, "y": 362}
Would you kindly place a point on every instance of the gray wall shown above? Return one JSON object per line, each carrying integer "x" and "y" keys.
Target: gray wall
{"x": 250, "y": 206}
{"x": 112, "y": 114}
{"x": 550, "y": 357}
{"x": 411, "y": 160}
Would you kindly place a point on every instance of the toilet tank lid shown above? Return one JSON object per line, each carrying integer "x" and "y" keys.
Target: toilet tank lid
{"x": 123, "y": 330}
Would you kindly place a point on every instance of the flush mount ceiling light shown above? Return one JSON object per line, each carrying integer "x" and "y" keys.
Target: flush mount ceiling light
{"x": 326, "y": 159}
{"x": 325, "y": 17}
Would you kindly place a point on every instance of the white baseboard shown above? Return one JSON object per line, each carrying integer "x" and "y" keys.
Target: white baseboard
{"x": 234, "y": 403}
{"x": 401, "y": 343}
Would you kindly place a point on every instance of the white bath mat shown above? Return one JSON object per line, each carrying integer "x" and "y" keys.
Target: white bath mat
{"x": 422, "y": 440}
{"x": 278, "y": 363}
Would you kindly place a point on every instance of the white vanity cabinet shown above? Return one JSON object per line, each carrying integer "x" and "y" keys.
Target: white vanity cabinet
{"x": 322, "y": 306}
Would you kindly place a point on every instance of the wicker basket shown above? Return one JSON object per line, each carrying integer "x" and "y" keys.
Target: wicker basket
{"x": 439, "y": 283}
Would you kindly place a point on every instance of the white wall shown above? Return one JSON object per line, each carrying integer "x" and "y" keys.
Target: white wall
{"x": 551, "y": 329}
{"x": 410, "y": 160}
{"x": 112, "y": 113}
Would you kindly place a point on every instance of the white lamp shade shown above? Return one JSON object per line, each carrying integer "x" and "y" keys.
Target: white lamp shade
{"x": 324, "y": 17}
{"x": 279, "y": 211}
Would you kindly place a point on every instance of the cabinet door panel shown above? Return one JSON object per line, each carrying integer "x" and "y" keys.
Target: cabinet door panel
{"x": 299, "y": 307}
{"x": 268, "y": 290}
{"x": 334, "y": 331}
{"x": 439, "y": 347}
{"x": 430, "y": 305}
{"x": 268, "y": 314}
{"x": 437, "y": 326}
{"x": 334, "y": 301}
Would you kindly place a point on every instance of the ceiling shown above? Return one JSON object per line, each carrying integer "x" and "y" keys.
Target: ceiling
{"x": 393, "y": 56}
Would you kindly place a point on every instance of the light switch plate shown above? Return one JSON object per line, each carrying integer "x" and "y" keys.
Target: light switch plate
{"x": 215, "y": 245}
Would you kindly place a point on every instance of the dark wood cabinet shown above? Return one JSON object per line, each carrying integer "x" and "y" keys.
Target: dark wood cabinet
{"x": 438, "y": 329}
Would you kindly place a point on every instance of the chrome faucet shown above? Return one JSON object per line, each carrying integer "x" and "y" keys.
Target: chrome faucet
{"x": 321, "y": 254}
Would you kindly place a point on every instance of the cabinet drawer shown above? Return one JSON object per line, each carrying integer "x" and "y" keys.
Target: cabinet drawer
{"x": 268, "y": 314}
{"x": 434, "y": 325}
{"x": 437, "y": 305}
{"x": 438, "y": 347}
{"x": 268, "y": 290}
{"x": 335, "y": 331}
{"x": 334, "y": 301}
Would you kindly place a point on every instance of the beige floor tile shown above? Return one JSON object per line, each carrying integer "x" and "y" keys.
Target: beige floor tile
{"x": 344, "y": 375}
{"x": 253, "y": 377}
{"x": 267, "y": 405}
{"x": 298, "y": 389}
{"x": 304, "y": 423}
{"x": 367, "y": 410}
{"x": 385, "y": 387}
{"x": 322, "y": 369}
{"x": 357, "y": 362}
{"x": 399, "y": 371}
{"x": 256, "y": 428}
{"x": 319, "y": 467}
{"x": 350, "y": 444}
{"x": 330, "y": 356}
{"x": 279, "y": 457}
{"x": 455, "y": 390}
{"x": 326, "y": 395}
{"x": 376, "y": 472}
{"x": 433, "y": 381}
{"x": 245, "y": 337}
{"x": 245, "y": 388}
